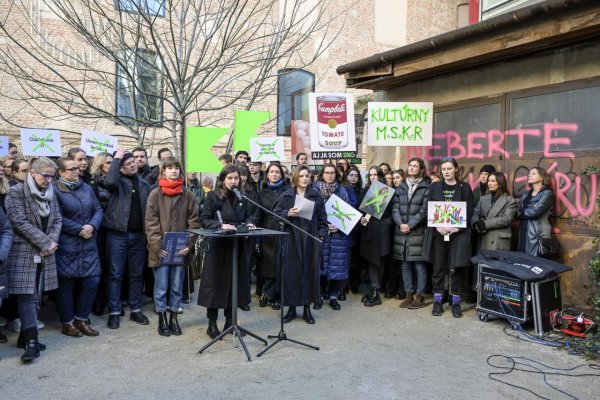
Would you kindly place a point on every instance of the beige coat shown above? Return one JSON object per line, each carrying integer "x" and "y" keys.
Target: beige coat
{"x": 168, "y": 214}
{"x": 497, "y": 220}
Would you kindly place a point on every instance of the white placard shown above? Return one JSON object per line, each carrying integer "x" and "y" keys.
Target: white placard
{"x": 341, "y": 214}
{"x": 267, "y": 149}
{"x": 95, "y": 142}
{"x": 376, "y": 199}
{"x": 3, "y": 146}
{"x": 400, "y": 124}
{"x": 41, "y": 142}
{"x": 331, "y": 124}
{"x": 447, "y": 214}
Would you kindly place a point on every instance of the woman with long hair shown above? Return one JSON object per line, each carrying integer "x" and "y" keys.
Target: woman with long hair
{"x": 354, "y": 186}
{"x": 535, "y": 208}
{"x": 449, "y": 248}
{"x": 375, "y": 242}
{"x": 493, "y": 215}
{"x": 34, "y": 213}
{"x": 77, "y": 260}
{"x": 300, "y": 256}
{"x": 215, "y": 285}
{"x": 266, "y": 264}
{"x": 336, "y": 248}
{"x": 410, "y": 217}
{"x": 170, "y": 208}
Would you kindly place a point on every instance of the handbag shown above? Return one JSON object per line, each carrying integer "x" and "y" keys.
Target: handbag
{"x": 549, "y": 248}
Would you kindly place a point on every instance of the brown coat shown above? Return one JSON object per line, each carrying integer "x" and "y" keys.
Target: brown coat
{"x": 168, "y": 214}
{"x": 29, "y": 241}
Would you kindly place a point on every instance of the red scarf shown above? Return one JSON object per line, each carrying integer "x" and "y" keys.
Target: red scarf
{"x": 171, "y": 188}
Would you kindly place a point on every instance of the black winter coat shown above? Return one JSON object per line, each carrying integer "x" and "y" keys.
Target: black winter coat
{"x": 215, "y": 285}
{"x": 412, "y": 212}
{"x": 300, "y": 255}
{"x": 376, "y": 237}
{"x": 460, "y": 242}
{"x": 267, "y": 264}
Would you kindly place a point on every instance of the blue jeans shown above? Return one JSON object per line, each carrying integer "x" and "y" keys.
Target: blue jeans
{"x": 80, "y": 309}
{"x": 407, "y": 276}
{"x": 171, "y": 278}
{"x": 125, "y": 249}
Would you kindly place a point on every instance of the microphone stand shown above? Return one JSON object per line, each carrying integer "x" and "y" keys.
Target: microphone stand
{"x": 281, "y": 336}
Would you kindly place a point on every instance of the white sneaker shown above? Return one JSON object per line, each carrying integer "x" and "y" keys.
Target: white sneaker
{"x": 40, "y": 325}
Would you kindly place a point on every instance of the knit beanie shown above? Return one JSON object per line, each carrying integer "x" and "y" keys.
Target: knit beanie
{"x": 487, "y": 168}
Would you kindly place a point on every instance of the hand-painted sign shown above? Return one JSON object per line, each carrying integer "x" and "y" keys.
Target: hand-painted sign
{"x": 41, "y": 142}
{"x": 400, "y": 124}
{"x": 95, "y": 142}
{"x": 376, "y": 199}
{"x": 341, "y": 214}
{"x": 3, "y": 146}
{"x": 331, "y": 124}
{"x": 447, "y": 214}
{"x": 267, "y": 149}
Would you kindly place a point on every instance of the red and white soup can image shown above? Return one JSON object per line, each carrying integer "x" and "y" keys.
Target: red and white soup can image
{"x": 332, "y": 118}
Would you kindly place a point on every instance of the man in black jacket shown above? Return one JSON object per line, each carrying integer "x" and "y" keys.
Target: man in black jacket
{"x": 125, "y": 239}
{"x": 141, "y": 160}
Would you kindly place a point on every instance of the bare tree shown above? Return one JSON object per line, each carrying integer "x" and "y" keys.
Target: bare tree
{"x": 148, "y": 64}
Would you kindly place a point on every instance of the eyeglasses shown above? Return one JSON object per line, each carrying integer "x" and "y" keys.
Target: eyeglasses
{"x": 71, "y": 169}
{"x": 328, "y": 172}
{"x": 47, "y": 177}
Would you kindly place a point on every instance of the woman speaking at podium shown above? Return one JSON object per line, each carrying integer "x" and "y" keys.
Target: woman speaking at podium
{"x": 222, "y": 209}
{"x": 300, "y": 255}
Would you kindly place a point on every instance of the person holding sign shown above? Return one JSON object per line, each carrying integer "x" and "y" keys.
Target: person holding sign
{"x": 35, "y": 216}
{"x": 223, "y": 210}
{"x": 170, "y": 208}
{"x": 77, "y": 260}
{"x": 336, "y": 248}
{"x": 375, "y": 242}
{"x": 410, "y": 215}
{"x": 449, "y": 249}
{"x": 299, "y": 255}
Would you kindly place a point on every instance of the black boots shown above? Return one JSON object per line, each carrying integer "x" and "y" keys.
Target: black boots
{"x": 307, "y": 316}
{"x": 163, "y": 328}
{"x": 21, "y": 342}
{"x": 374, "y": 299}
{"x": 290, "y": 315}
{"x": 213, "y": 330}
{"x": 369, "y": 296}
{"x": 32, "y": 348}
{"x": 174, "y": 324}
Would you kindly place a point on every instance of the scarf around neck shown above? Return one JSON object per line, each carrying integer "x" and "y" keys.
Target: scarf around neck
{"x": 42, "y": 197}
{"x": 412, "y": 185}
{"x": 69, "y": 184}
{"x": 327, "y": 189}
{"x": 275, "y": 186}
{"x": 171, "y": 188}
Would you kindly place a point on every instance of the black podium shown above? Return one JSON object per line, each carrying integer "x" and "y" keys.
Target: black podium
{"x": 237, "y": 329}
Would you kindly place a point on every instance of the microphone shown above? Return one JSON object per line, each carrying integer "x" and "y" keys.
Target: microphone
{"x": 236, "y": 191}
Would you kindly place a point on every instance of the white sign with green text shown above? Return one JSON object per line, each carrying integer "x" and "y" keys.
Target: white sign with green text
{"x": 41, "y": 142}
{"x": 400, "y": 124}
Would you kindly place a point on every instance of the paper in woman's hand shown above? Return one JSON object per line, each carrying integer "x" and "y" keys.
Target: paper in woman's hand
{"x": 305, "y": 206}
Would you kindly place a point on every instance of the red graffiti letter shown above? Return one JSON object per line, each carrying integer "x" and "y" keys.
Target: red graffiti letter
{"x": 521, "y": 134}
{"x": 496, "y": 143}
{"x": 555, "y": 141}
{"x": 593, "y": 193}
{"x": 472, "y": 146}
{"x": 560, "y": 193}
{"x": 453, "y": 142}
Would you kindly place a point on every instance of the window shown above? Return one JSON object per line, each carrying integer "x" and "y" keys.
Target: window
{"x": 139, "y": 88}
{"x": 292, "y": 98}
{"x": 147, "y": 7}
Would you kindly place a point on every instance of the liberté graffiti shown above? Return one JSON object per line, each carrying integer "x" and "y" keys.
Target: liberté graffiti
{"x": 575, "y": 194}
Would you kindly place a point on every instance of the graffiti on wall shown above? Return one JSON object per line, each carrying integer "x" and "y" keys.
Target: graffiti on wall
{"x": 575, "y": 193}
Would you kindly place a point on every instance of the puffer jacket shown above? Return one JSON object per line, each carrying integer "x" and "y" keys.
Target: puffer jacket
{"x": 336, "y": 248}
{"x": 412, "y": 212}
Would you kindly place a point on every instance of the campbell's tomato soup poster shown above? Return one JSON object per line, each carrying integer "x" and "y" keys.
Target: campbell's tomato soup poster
{"x": 331, "y": 125}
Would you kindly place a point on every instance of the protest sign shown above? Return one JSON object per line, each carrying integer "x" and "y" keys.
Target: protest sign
{"x": 95, "y": 142}
{"x": 376, "y": 199}
{"x": 246, "y": 124}
{"x": 447, "y": 214}
{"x": 41, "y": 143}
{"x": 341, "y": 214}
{"x": 198, "y": 155}
{"x": 3, "y": 146}
{"x": 400, "y": 124}
{"x": 267, "y": 149}
{"x": 332, "y": 132}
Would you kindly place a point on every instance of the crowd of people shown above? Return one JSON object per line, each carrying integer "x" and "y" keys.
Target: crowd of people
{"x": 91, "y": 230}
